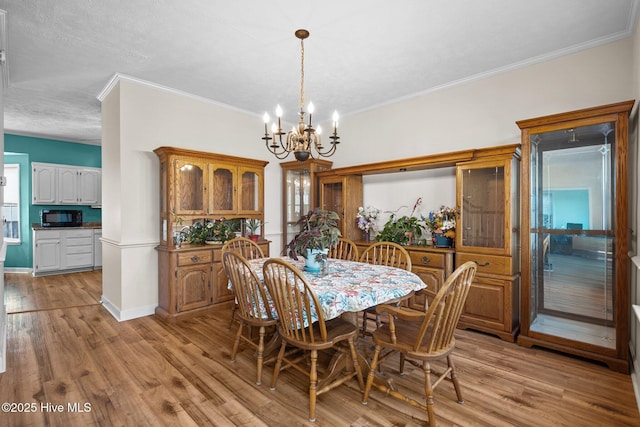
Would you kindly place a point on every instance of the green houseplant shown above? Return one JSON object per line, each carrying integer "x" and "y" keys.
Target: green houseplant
{"x": 402, "y": 230}
{"x": 252, "y": 225}
{"x": 318, "y": 232}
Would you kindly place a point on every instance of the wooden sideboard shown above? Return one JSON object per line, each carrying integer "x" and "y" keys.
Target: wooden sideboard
{"x": 192, "y": 280}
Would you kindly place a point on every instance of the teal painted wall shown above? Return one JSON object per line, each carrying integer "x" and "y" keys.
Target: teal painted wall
{"x": 25, "y": 150}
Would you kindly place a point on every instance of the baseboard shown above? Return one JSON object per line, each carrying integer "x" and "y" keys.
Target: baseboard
{"x": 18, "y": 270}
{"x": 3, "y": 337}
{"x": 123, "y": 315}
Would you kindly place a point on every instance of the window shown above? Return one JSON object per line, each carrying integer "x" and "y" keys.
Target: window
{"x": 11, "y": 207}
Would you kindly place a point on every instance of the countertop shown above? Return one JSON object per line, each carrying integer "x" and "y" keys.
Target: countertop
{"x": 37, "y": 226}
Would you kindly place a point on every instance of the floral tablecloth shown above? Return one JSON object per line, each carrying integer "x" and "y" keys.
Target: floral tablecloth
{"x": 349, "y": 286}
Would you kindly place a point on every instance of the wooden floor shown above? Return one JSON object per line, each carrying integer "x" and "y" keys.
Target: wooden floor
{"x": 144, "y": 372}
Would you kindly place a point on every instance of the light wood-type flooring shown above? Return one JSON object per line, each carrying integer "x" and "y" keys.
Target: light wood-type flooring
{"x": 65, "y": 349}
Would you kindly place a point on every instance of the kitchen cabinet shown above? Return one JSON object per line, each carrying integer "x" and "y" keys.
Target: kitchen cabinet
{"x": 488, "y": 232}
{"x": 97, "y": 248}
{"x": 342, "y": 194}
{"x": 62, "y": 250}
{"x": 300, "y": 193}
{"x": 54, "y": 184}
{"x": 47, "y": 251}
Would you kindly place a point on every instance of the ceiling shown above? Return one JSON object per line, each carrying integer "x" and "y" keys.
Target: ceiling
{"x": 360, "y": 54}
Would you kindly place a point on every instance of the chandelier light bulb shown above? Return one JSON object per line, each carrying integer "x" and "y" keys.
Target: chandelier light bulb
{"x": 311, "y": 108}
{"x": 335, "y": 118}
{"x": 266, "y": 118}
{"x": 318, "y": 130}
{"x": 278, "y": 111}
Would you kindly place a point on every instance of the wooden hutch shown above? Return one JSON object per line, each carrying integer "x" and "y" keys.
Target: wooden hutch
{"x": 493, "y": 303}
{"x": 195, "y": 186}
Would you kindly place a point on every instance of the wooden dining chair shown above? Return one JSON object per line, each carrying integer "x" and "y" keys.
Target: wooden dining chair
{"x": 345, "y": 249}
{"x": 301, "y": 324}
{"x": 421, "y": 338}
{"x": 383, "y": 253}
{"x": 246, "y": 248}
{"x": 254, "y": 308}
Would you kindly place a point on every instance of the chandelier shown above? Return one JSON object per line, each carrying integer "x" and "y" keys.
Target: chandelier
{"x": 303, "y": 139}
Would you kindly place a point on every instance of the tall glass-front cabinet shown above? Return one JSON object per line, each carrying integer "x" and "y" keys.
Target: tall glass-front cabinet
{"x": 576, "y": 233}
{"x": 299, "y": 193}
{"x": 488, "y": 232}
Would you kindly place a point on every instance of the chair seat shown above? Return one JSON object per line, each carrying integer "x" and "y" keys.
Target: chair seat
{"x": 405, "y": 340}
{"x": 337, "y": 330}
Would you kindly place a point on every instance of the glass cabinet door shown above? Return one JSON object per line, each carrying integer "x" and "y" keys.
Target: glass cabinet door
{"x": 297, "y": 199}
{"x": 250, "y": 200}
{"x": 482, "y": 205}
{"x": 190, "y": 188}
{"x": 571, "y": 234}
{"x": 223, "y": 188}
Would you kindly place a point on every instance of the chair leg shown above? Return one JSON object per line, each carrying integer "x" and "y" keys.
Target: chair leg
{"x": 313, "y": 385}
{"x": 401, "y": 368}
{"x": 233, "y": 313}
{"x": 356, "y": 364}
{"x": 260, "y": 356}
{"x": 370, "y": 377}
{"x": 276, "y": 370}
{"x": 428, "y": 391}
{"x": 454, "y": 380}
{"x": 236, "y": 343}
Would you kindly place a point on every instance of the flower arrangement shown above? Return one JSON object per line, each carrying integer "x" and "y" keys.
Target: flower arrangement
{"x": 442, "y": 220}
{"x": 367, "y": 218}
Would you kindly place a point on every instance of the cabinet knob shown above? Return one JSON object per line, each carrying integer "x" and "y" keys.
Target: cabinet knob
{"x": 195, "y": 258}
{"x": 425, "y": 260}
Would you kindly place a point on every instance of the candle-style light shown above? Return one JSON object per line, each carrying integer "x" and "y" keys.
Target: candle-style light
{"x": 303, "y": 139}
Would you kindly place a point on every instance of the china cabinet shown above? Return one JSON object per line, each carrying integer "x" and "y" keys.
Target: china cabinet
{"x": 575, "y": 271}
{"x": 195, "y": 186}
{"x": 487, "y": 232}
{"x": 342, "y": 194}
{"x": 299, "y": 192}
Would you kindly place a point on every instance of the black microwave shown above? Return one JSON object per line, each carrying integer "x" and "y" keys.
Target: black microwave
{"x": 60, "y": 218}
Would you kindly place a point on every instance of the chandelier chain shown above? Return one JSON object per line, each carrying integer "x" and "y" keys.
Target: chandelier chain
{"x": 302, "y": 74}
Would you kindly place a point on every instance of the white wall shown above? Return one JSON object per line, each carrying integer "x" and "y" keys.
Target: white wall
{"x": 476, "y": 114}
{"x": 479, "y": 113}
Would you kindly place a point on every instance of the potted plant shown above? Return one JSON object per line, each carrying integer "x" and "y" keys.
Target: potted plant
{"x": 252, "y": 225}
{"x": 402, "y": 230}
{"x": 442, "y": 225}
{"x": 318, "y": 232}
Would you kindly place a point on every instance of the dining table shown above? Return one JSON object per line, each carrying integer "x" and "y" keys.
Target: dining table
{"x": 349, "y": 287}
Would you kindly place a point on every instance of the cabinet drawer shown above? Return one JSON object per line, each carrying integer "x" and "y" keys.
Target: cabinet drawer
{"x": 192, "y": 258}
{"x": 79, "y": 241}
{"x": 47, "y": 234}
{"x": 487, "y": 264}
{"x": 80, "y": 249}
{"x": 79, "y": 233}
{"x": 427, "y": 259}
{"x": 79, "y": 260}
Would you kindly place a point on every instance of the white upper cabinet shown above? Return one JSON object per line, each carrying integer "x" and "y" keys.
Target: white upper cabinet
{"x": 44, "y": 184}
{"x": 54, "y": 184}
